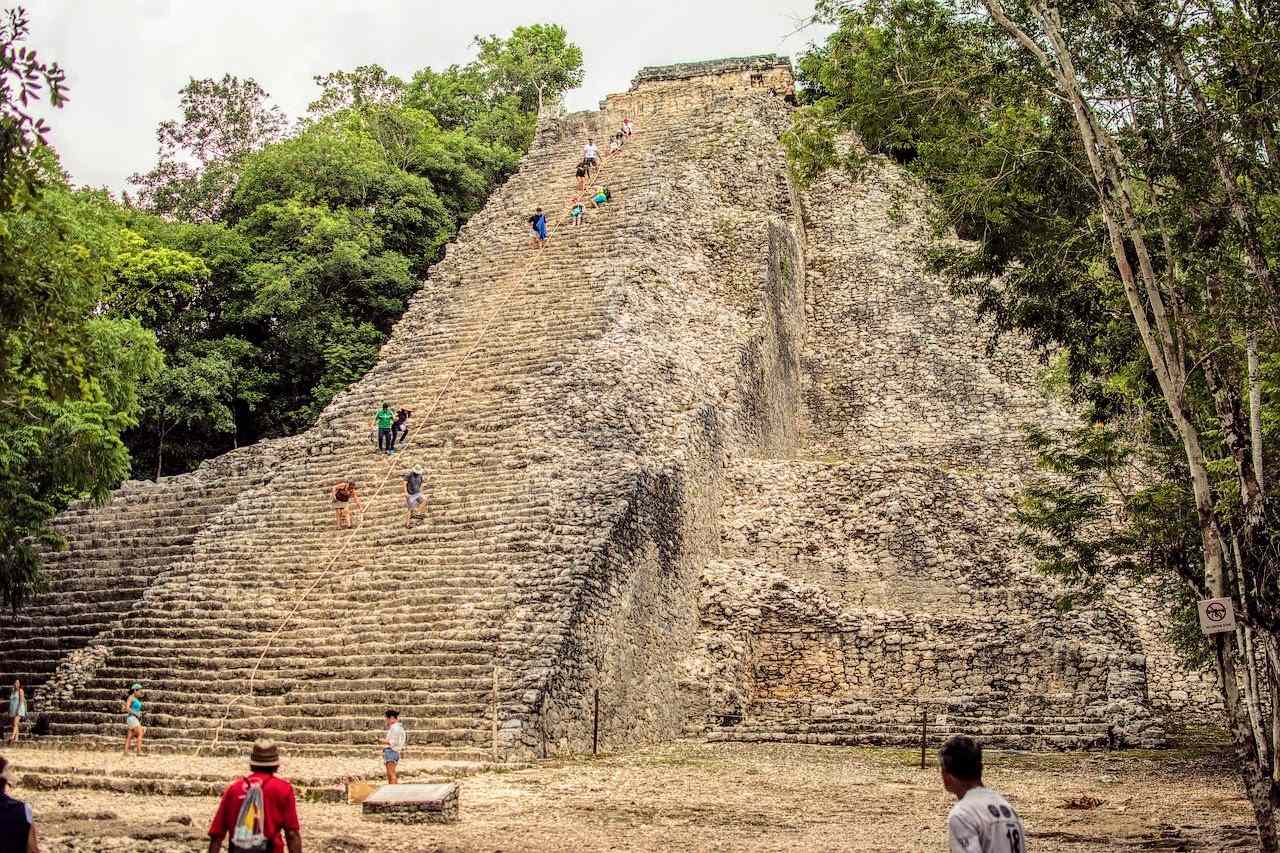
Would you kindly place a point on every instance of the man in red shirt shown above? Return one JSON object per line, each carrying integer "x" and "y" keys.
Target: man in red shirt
{"x": 279, "y": 807}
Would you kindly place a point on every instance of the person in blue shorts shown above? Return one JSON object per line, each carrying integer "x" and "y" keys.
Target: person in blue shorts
{"x": 393, "y": 745}
{"x": 538, "y": 224}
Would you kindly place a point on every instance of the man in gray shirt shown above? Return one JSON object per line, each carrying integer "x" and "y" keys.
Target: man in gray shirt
{"x": 413, "y": 496}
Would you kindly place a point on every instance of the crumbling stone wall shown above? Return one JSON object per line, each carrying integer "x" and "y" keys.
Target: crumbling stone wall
{"x": 707, "y": 326}
{"x": 726, "y": 454}
{"x": 880, "y": 572}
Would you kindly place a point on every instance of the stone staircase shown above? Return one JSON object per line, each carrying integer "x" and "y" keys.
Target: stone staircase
{"x": 113, "y": 553}
{"x": 387, "y": 615}
{"x": 722, "y": 456}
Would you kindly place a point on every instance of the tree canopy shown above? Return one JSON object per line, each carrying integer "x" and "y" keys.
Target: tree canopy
{"x": 1113, "y": 167}
{"x": 256, "y": 270}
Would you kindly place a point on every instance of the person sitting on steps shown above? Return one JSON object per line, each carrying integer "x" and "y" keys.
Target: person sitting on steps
{"x": 383, "y": 420}
{"x": 400, "y": 429}
{"x": 413, "y": 495}
{"x": 575, "y": 213}
{"x": 538, "y": 225}
{"x": 344, "y": 494}
{"x": 615, "y": 143}
{"x": 602, "y": 195}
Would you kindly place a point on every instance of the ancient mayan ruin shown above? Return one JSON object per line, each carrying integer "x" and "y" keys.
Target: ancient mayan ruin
{"x": 727, "y": 455}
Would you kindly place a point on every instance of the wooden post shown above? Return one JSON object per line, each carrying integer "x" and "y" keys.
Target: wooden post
{"x": 595, "y": 724}
{"x": 924, "y": 731}
{"x": 495, "y": 715}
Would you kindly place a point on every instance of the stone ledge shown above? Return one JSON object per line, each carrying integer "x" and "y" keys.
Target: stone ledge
{"x": 413, "y": 803}
{"x": 728, "y": 65}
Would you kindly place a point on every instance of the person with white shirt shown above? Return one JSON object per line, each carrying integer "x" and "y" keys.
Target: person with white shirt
{"x": 981, "y": 821}
{"x": 394, "y": 744}
{"x": 591, "y": 155}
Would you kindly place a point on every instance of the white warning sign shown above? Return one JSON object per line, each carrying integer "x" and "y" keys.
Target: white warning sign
{"x": 1217, "y": 616}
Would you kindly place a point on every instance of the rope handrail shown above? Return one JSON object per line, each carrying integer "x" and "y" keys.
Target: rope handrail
{"x": 508, "y": 291}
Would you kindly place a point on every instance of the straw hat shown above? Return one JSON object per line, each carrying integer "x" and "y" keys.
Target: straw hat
{"x": 265, "y": 754}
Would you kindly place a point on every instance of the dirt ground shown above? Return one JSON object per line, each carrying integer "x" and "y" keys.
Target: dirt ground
{"x": 720, "y": 797}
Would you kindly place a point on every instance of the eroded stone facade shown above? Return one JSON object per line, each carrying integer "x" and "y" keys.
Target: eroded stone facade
{"x": 724, "y": 457}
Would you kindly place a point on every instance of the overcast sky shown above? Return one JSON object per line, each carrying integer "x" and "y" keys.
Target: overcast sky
{"x": 127, "y": 59}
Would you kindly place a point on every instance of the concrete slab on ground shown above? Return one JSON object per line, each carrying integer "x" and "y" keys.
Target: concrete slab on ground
{"x": 414, "y": 803}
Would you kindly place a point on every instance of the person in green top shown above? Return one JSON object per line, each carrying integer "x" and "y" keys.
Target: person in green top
{"x": 383, "y": 420}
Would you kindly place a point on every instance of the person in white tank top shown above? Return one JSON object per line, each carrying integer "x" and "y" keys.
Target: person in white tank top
{"x": 981, "y": 821}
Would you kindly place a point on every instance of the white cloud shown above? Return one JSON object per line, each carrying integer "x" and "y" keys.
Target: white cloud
{"x": 127, "y": 60}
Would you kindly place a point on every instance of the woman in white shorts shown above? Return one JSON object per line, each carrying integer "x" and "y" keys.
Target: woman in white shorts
{"x": 133, "y": 719}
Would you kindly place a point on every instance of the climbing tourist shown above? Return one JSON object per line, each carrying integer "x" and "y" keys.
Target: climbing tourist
{"x": 581, "y": 174}
{"x": 413, "y": 495}
{"x": 591, "y": 155}
{"x": 344, "y": 495}
{"x": 982, "y": 821}
{"x": 17, "y": 708}
{"x": 615, "y": 143}
{"x": 627, "y": 127}
{"x": 400, "y": 429}
{"x": 394, "y": 748}
{"x": 575, "y": 212}
{"x": 601, "y": 196}
{"x": 259, "y": 809}
{"x": 538, "y": 224}
{"x": 383, "y": 421}
{"x": 133, "y": 719}
{"x": 17, "y": 826}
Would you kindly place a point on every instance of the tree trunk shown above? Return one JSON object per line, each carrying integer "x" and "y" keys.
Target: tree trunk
{"x": 1163, "y": 348}
{"x": 1255, "y": 411}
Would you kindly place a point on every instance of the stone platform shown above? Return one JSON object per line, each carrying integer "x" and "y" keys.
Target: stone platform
{"x": 414, "y": 803}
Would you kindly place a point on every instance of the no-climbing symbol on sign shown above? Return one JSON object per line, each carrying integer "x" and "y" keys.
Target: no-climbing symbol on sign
{"x": 1217, "y": 616}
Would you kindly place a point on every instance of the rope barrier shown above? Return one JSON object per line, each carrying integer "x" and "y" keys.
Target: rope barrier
{"x": 391, "y": 467}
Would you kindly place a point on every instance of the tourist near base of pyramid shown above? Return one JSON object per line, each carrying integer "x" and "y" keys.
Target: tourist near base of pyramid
{"x": 715, "y": 484}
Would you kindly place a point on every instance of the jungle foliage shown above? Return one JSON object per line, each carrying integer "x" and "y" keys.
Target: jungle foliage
{"x": 1113, "y": 167}
{"x": 252, "y": 273}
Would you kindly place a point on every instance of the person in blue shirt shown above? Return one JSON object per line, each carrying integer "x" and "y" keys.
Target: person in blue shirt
{"x": 538, "y": 224}
{"x": 133, "y": 719}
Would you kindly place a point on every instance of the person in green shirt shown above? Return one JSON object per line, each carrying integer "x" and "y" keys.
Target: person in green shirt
{"x": 383, "y": 420}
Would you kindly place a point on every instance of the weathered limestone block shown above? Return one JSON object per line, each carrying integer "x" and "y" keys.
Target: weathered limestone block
{"x": 413, "y": 803}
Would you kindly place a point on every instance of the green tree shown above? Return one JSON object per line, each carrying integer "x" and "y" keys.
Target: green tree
{"x": 1115, "y": 168}
{"x": 69, "y": 379}
{"x": 534, "y": 63}
{"x": 200, "y": 156}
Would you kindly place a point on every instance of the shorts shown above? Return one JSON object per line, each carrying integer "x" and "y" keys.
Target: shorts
{"x": 601, "y": 199}
{"x": 133, "y": 722}
{"x": 342, "y": 504}
{"x": 390, "y": 756}
{"x": 413, "y": 500}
